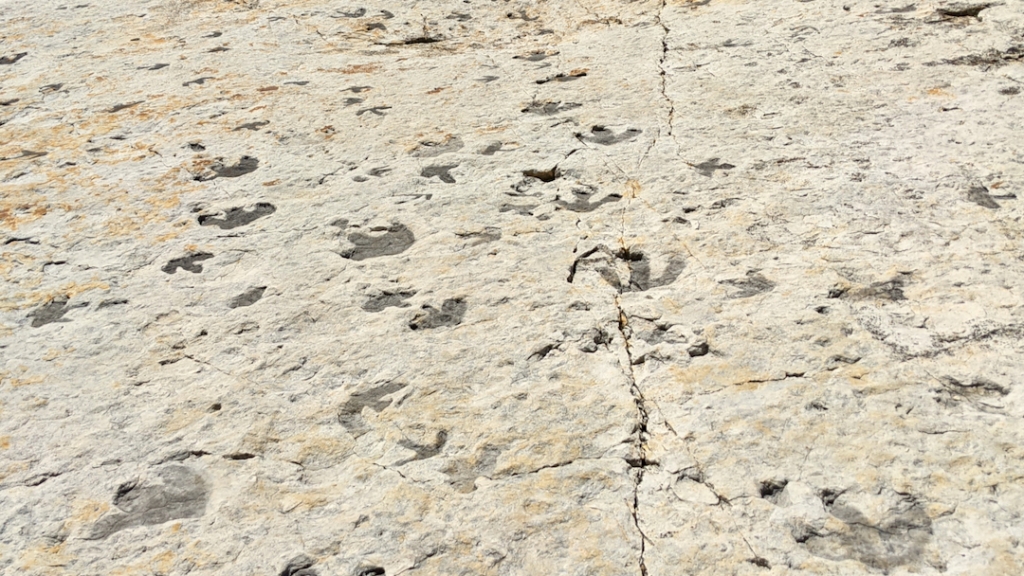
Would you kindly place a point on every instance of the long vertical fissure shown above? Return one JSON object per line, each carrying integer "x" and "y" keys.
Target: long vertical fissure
{"x": 638, "y": 460}
{"x": 663, "y": 85}
{"x": 661, "y": 68}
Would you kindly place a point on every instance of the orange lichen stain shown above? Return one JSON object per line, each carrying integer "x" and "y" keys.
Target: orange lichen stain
{"x": 939, "y": 92}
{"x": 19, "y": 382}
{"x": 162, "y": 201}
{"x": 122, "y": 226}
{"x": 267, "y": 89}
{"x": 183, "y": 418}
{"x": 53, "y": 353}
{"x": 27, "y": 300}
{"x": 88, "y": 511}
{"x": 492, "y": 129}
{"x": 43, "y": 556}
{"x": 272, "y": 182}
{"x": 12, "y": 468}
{"x": 712, "y": 376}
{"x": 180, "y": 227}
{"x": 322, "y": 449}
{"x": 160, "y": 563}
{"x": 308, "y": 501}
{"x": 632, "y": 189}
{"x": 354, "y": 69}
{"x": 5, "y": 442}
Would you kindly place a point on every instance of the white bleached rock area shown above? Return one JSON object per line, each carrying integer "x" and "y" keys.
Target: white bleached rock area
{"x": 468, "y": 287}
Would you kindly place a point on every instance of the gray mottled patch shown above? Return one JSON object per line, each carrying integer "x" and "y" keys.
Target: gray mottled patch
{"x": 238, "y": 216}
{"x": 350, "y": 415}
{"x": 897, "y": 540}
{"x": 431, "y": 148}
{"x": 605, "y": 137}
{"x": 188, "y": 263}
{"x": 581, "y": 200}
{"x": 396, "y": 239}
{"x": 181, "y": 493}
{"x": 442, "y": 172}
{"x": 247, "y": 298}
{"x": 52, "y": 311}
{"x": 245, "y": 165}
{"x": 386, "y": 299}
{"x": 753, "y": 284}
{"x": 450, "y": 314}
{"x": 980, "y": 196}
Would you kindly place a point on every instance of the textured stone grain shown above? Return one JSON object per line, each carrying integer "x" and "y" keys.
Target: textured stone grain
{"x": 299, "y": 288}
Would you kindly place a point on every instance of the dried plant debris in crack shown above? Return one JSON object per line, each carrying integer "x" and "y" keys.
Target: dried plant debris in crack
{"x": 189, "y": 263}
{"x": 396, "y": 239}
{"x": 752, "y": 285}
{"x": 181, "y": 493}
{"x": 238, "y": 216}
{"x": 450, "y": 314}
{"x": 605, "y": 137}
{"x": 247, "y": 298}
{"x": 431, "y": 148}
{"x": 350, "y": 416}
{"x": 548, "y": 108}
{"x": 581, "y": 200}
{"x": 387, "y": 299}
{"x": 441, "y": 171}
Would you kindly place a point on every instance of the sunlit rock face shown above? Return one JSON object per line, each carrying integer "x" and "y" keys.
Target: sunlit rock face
{"x": 309, "y": 288}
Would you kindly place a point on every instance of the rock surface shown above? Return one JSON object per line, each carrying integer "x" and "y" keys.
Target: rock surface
{"x": 474, "y": 287}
